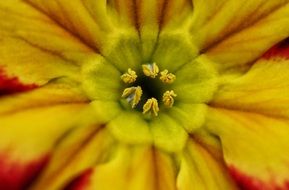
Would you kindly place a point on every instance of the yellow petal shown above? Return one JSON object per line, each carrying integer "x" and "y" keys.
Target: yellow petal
{"x": 209, "y": 142}
{"x": 53, "y": 93}
{"x": 104, "y": 111}
{"x": 263, "y": 89}
{"x": 34, "y": 48}
{"x": 126, "y": 14}
{"x": 154, "y": 16}
{"x": 254, "y": 147}
{"x": 246, "y": 45}
{"x": 175, "y": 14}
{"x": 99, "y": 11}
{"x": 173, "y": 50}
{"x": 135, "y": 32}
{"x": 199, "y": 170}
{"x": 134, "y": 168}
{"x": 81, "y": 18}
{"x": 28, "y": 137}
{"x": 129, "y": 169}
{"x": 196, "y": 81}
{"x": 149, "y": 14}
{"x": 215, "y": 20}
{"x": 123, "y": 50}
{"x": 190, "y": 116}
{"x": 101, "y": 80}
{"x": 131, "y": 128}
{"x": 168, "y": 134}
{"x": 44, "y": 124}
{"x": 79, "y": 150}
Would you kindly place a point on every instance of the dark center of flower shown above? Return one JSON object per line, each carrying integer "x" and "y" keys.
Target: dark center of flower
{"x": 146, "y": 92}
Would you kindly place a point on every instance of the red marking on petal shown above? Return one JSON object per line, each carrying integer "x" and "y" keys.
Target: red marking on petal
{"x": 286, "y": 185}
{"x": 246, "y": 182}
{"x": 80, "y": 182}
{"x": 10, "y": 85}
{"x": 15, "y": 175}
{"x": 279, "y": 50}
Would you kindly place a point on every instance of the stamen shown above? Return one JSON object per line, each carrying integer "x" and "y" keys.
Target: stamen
{"x": 150, "y": 70}
{"x": 168, "y": 98}
{"x": 167, "y": 77}
{"x": 152, "y": 106}
{"x": 132, "y": 95}
{"x": 129, "y": 77}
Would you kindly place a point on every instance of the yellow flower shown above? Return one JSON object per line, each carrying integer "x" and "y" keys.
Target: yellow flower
{"x": 144, "y": 94}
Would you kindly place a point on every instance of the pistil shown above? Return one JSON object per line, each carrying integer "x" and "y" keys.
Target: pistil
{"x": 167, "y": 77}
{"x": 151, "y": 106}
{"x": 129, "y": 77}
{"x": 150, "y": 70}
{"x": 168, "y": 98}
{"x": 132, "y": 95}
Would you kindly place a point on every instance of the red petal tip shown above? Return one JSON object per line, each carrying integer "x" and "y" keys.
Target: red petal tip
{"x": 10, "y": 85}
{"x": 279, "y": 50}
{"x": 80, "y": 182}
{"x": 246, "y": 182}
{"x": 18, "y": 176}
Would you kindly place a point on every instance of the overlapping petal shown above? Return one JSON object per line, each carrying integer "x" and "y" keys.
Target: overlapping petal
{"x": 34, "y": 48}
{"x": 80, "y": 149}
{"x": 149, "y": 15}
{"x": 89, "y": 21}
{"x": 133, "y": 167}
{"x": 263, "y": 89}
{"x": 154, "y": 17}
{"x": 130, "y": 128}
{"x": 54, "y": 93}
{"x": 168, "y": 134}
{"x": 230, "y": 30}
{"x": 143, "y": 167}
{"x": 213, "y": 21}
{"x": 27, "y": 139}
{"x": 200, "y": 170}
{"x": 251, "y": 119}
{"x": 254, "y": 146}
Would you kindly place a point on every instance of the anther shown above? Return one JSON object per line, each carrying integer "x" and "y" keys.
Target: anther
{"x": 150, "y": 70}
{"x": 129, "y": 77}
{"x": 167, "y": 77}
{"x": 132, "y": 95}
{"x": 168, "y": 98}
{"x": 151, "y": 106}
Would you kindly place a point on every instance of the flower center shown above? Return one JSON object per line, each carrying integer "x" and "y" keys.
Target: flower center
{"x": 158, "y": 102}
{"x": 148, "y": 91}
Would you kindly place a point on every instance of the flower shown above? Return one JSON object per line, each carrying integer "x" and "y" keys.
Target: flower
{"x": 144, "y": 94}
